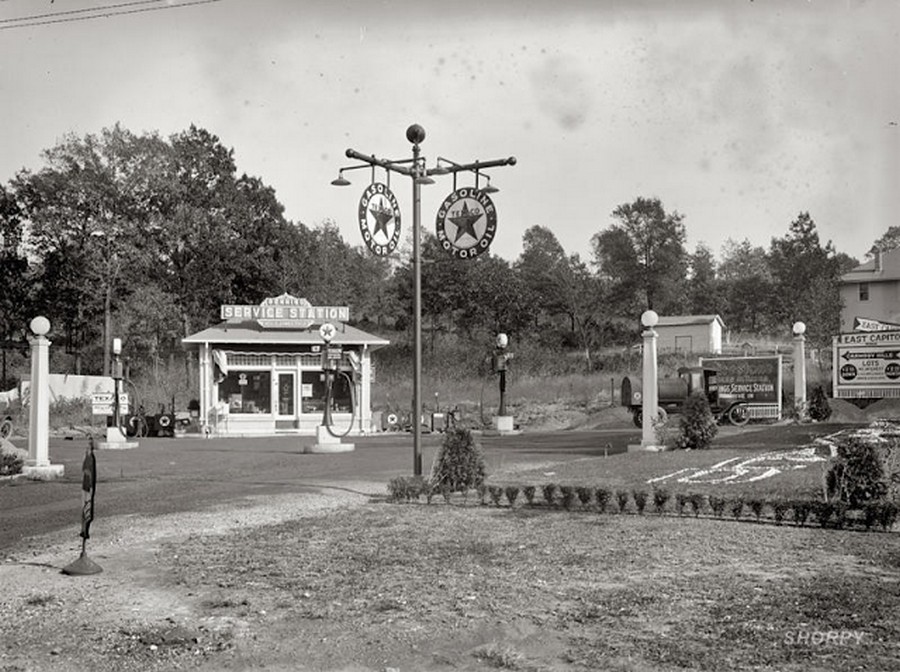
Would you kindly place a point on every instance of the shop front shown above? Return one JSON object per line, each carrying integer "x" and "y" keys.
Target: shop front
{"x": 263, "y": 370}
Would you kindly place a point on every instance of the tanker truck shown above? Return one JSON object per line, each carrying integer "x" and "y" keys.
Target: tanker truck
{"x": 738, "y": 389}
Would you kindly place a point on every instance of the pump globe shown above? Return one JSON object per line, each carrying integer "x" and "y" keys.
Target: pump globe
{"x": 502, "y": 341}
{"x": 649, "y": 318}
{"x": 40, "y": 325}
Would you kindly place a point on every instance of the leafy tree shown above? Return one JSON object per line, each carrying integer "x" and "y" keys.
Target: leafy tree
{"x": 890, "y": 240}
{"x": 643, "y": 255}
{"x": 544, "y": 272}
{"x": 747, "y": 287}
{"x": 703, "y": 287}
{"x": 807, "y": 275}
{"x": 15, "y": 296}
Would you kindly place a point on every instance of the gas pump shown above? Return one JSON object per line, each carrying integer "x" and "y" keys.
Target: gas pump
{"x": 331, "y": 359}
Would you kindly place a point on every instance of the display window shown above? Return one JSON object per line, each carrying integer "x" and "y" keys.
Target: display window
{"x": 313, "y": 393}
{"x": 247, "y": 392}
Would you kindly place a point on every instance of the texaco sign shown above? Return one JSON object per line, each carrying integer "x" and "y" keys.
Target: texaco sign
{"x": 379, "y": 219}
{"x": 466, "y": 223}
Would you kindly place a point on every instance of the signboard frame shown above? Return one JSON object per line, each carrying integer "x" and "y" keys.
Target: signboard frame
{"x": 754, "y": 386}
{"x": 866, "y": 365}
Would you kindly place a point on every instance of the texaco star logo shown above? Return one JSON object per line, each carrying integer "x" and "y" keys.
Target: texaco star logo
{"x": 466, "y": 223}
{"x": 379, "y": 219}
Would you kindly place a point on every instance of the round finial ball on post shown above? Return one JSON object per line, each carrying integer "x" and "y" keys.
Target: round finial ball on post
{"x": 415, "y": 134}
{"x": 40, "y": 325}
{"x": 502, "y": 341}
{"x": 649, "y": 319}
{"x": 799, "y": 328}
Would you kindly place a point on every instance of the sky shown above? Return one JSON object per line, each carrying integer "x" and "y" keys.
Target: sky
{"x": 737, "y": 114}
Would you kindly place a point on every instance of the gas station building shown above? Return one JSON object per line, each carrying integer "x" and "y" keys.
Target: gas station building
{"x": 261, "y": 370}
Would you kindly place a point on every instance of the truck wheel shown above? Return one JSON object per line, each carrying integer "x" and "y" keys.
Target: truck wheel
{"x": 638, "y": 418}
{"x": 739, "y": 415}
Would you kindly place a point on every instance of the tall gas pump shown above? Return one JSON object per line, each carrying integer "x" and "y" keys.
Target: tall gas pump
{"x": 327, "y": 440}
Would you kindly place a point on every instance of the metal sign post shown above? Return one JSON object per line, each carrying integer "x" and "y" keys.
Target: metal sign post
{"x": 84, "y": 565}
{"x": 374, "y": 226}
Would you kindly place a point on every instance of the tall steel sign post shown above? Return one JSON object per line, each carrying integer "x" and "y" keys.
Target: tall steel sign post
{"x": 466, "y": 223}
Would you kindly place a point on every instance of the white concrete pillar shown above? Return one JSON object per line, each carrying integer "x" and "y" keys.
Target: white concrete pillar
{"x": 650, "y": 379}
{"x": 799, "y": 365}
{"x": 37, "y": 465}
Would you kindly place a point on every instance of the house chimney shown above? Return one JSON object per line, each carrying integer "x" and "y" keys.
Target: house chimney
{"x": 878, "y": 261}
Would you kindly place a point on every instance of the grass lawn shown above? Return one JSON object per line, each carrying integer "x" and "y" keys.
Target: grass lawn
{"x": 467, "y": 587}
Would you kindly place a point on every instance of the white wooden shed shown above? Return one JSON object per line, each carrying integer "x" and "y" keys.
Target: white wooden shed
{"x": 690, "y": 333}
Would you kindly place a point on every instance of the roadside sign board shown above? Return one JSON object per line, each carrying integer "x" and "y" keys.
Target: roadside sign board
{"x": 102, "y": 403}
{"x": 750, "y": 379}
{"x": 866, "y": 364}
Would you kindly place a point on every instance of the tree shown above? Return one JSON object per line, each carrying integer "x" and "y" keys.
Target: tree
{"x": 703, "y": 287}
{"x": 643, "y": 255}
{"x": 747, "y": 287}
{"x": 887, "y": 242}
{"x": 15, "y": 284}
{"x": 807, "y": 276}
{"x": 543, "y": 270}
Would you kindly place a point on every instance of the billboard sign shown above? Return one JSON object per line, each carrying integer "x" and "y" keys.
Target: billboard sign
{"x": 866, "y": 364}
{"x": 753, "y": 380}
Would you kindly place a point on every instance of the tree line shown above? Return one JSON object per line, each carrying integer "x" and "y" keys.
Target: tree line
{"x": 144, "y": 237}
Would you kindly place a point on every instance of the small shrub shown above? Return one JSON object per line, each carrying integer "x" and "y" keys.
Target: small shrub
{"x": 698, "y": 424}
{"x": 622, "y": 500}
{"x": 718, "y": 504}
{"x": 512, "y": 494}
{"x": 549, "y": 493}
{"x": 416, "y": 487}
{"x": 871, "y": 514}
{"x": 756, "y": 506}
{"x": 640, "y": 500}
{"x": 887, "y": 515}
{"x": 602, "y": 495}
{"x": 857, "y": 474}
{"x": 10, "y": 464}
{"x": 446, "y": 491}
{"x": 397, "y": 489}
{"x": 819, "y": 408}
{"x": 459, "y": 463}
{"x": 567, "y": 496}
{"x": 481, "y": 489}
{"x": 585, "y": 495}
{"x": 696, "y": 500}
{"x": 428, "y": 490}
{"x": 737, "y": 508}
{"x": 802, "y": 510}
{"x": 779, "y": 509}
{"x": 680, "y": 500}
{"x": 660, "y": 497}
{"x": 839, "y": 516}
{"x": 823, "y": 511}
{"x": 528, "y": 492}
{"x": 496, "y": 493}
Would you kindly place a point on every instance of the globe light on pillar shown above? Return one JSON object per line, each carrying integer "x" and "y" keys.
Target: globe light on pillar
{"x": 799, "y": 330}
{"x": 649, "y": 319}
{"x": 37, "y": 465}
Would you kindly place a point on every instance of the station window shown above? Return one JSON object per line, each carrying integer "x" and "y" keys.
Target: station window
{"x": 313, "y": 393}
{"x": 864, "y": 291}
{"x": 247, "y": 392}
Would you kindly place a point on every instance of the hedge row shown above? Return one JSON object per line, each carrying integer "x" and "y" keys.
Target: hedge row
{"x": 833, "y": 514}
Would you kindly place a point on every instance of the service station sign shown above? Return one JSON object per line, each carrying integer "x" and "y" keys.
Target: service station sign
{"x": 285, "y": 312}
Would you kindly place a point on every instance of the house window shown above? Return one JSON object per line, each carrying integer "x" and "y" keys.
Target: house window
{"x": 864, "y": 291}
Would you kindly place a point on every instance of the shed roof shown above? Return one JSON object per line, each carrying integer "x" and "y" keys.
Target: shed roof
{"x": 686, "y": 320}
{"x": 243, "y": 332}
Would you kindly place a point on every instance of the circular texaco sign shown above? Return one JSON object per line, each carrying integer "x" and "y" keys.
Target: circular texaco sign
{"x": 466, "y": 223}
{"x": 379, "y": 219}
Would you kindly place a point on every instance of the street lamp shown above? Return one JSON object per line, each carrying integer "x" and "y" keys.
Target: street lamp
{"x": 799, "y": 330}
{"x": 117, "y": 386}
{"x": 649, "y": 319}
{"x": 417, "y": 171}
